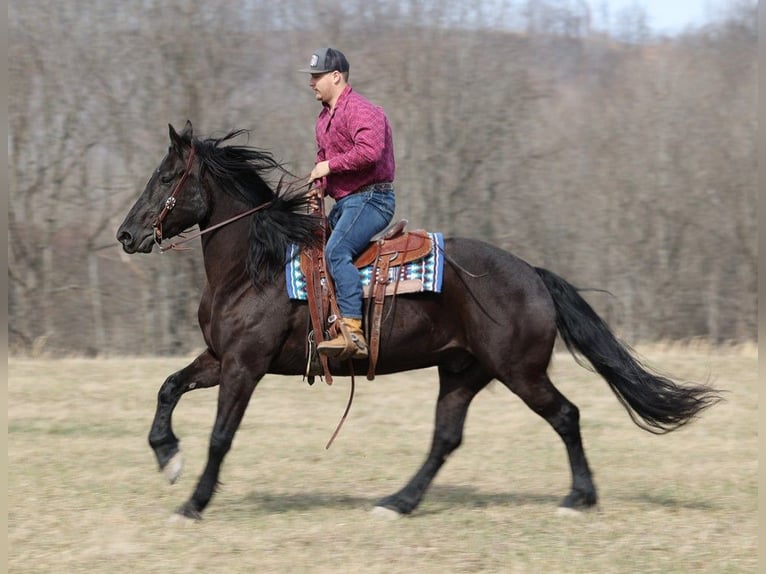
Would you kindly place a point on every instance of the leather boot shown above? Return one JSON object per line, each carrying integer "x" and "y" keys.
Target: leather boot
{"x": 349, "y": 342}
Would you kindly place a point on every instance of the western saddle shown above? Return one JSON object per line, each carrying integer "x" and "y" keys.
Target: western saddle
{"x": 392, "y": 247}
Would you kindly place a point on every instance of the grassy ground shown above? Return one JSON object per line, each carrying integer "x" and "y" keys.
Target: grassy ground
{"x": 85, "y": 494}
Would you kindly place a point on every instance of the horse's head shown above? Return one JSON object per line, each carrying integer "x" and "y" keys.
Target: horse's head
{"x": 172, "y": 201}
{"x": 213, "y": 183}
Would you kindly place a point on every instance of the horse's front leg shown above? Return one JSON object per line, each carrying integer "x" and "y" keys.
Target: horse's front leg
{"x": 203, "y": 372}
{"x": 237, "y": 386}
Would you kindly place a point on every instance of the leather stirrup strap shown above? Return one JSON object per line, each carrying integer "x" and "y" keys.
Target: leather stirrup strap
{"x": 318, "y": 304}
{"x": 381, "y": 280}
{"x": 318, "y": 284}
{"x": 371, "y": 293}
{"x": 372, "y": 338}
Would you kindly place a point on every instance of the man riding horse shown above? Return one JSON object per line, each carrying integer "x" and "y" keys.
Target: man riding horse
{"x": 354, "y": 166}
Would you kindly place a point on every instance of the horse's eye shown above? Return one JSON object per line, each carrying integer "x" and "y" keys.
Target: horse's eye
{"x": 167, "y": 178}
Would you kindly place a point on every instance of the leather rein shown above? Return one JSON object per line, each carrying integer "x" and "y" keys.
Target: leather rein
{"x": 171, "y": 201}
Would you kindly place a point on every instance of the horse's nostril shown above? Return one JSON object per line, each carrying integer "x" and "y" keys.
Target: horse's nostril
{"x": 124, "y": 237}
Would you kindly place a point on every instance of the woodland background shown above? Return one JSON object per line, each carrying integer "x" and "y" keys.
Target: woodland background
{"x": 620, "y": 159}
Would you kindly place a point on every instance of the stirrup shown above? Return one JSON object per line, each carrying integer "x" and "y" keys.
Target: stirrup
{"x": 354, "y": 346}
{"x": 360, "y": 349}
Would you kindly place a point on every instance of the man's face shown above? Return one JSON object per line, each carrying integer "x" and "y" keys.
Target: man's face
{"x": 324, "y": 85}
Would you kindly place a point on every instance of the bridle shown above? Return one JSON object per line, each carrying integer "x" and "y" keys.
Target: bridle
{"x": 170, "y": 203}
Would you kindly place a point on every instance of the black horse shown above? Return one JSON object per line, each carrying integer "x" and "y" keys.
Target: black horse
{"x": 496, "y": 318}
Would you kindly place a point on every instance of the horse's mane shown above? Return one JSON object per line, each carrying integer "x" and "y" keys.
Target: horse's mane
{"x": 238, "y": 171}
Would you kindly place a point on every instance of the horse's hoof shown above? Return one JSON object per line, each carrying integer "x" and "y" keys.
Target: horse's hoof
{"x": 172, "y": 470}
{"x": 185, "y": 515}
{"x": 385, "y": 513}
{"x": 578, "y": 502}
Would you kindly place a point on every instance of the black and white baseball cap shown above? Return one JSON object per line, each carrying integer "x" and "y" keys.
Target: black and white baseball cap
{"x": 326, "y": 60}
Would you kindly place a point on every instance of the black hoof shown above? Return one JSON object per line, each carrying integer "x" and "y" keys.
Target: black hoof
{"x": 395, "y": 504}
{"x": 187, "y": 511}
{"x": 165, "y": 453}
{"x": 579, "y": 500}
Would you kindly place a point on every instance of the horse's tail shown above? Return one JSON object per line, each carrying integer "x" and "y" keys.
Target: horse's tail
{"x": 655, "y": 403}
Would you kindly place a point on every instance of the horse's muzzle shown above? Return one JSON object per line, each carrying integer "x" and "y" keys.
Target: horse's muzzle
{"x": 132, "y": 244}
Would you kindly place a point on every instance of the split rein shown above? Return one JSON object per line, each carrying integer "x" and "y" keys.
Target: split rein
{"x": 171, "y": 201}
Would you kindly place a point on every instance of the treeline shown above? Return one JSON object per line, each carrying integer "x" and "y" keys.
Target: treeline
{"x": 621, "y": 160}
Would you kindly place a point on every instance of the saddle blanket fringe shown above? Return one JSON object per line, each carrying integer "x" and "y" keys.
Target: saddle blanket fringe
{"x": 425, "y": 274}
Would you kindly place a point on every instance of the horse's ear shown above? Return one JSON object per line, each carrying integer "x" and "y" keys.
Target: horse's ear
{"x": 188, "y": 131}
{"x": 182, "y": 140}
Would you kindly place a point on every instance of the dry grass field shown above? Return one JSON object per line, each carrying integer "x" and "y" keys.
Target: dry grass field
{"x": 85, "y": 494}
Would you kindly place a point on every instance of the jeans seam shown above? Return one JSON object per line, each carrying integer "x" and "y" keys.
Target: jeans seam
{"x": 347, "y": 230}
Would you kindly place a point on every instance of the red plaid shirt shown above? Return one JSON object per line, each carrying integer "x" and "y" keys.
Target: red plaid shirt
{"x": 356, "y": 138}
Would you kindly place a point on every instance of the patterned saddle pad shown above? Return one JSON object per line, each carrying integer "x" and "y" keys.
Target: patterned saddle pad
{"x": 425, "y": 274}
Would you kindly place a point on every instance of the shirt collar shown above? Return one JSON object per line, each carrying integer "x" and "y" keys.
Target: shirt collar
{"x": 341, "y": 100}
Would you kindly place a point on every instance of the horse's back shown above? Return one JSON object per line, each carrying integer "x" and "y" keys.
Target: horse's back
{"x": 498, "y": 273}
{"x": 493, "y": 306}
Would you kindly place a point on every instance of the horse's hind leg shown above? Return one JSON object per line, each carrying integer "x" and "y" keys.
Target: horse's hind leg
{"x": 456, "y": 391}
{"x": 538, "y": 392}
{"x": 203, "y": 372}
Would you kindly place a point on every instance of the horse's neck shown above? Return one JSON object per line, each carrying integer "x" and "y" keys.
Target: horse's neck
{"x": 225, "y": 250}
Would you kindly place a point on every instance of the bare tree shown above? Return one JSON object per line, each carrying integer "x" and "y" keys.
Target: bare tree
{"x": 619, "y": 159}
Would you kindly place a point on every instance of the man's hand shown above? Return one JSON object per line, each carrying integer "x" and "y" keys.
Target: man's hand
{"x": 314, "y": 196}
{"x": 320, "y": 170}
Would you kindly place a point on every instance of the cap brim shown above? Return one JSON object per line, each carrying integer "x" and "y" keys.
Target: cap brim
{"x": 307, "y": 71}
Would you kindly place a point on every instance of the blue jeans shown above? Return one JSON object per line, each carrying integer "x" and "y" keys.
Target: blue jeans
{"x": 354, "y": 220}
